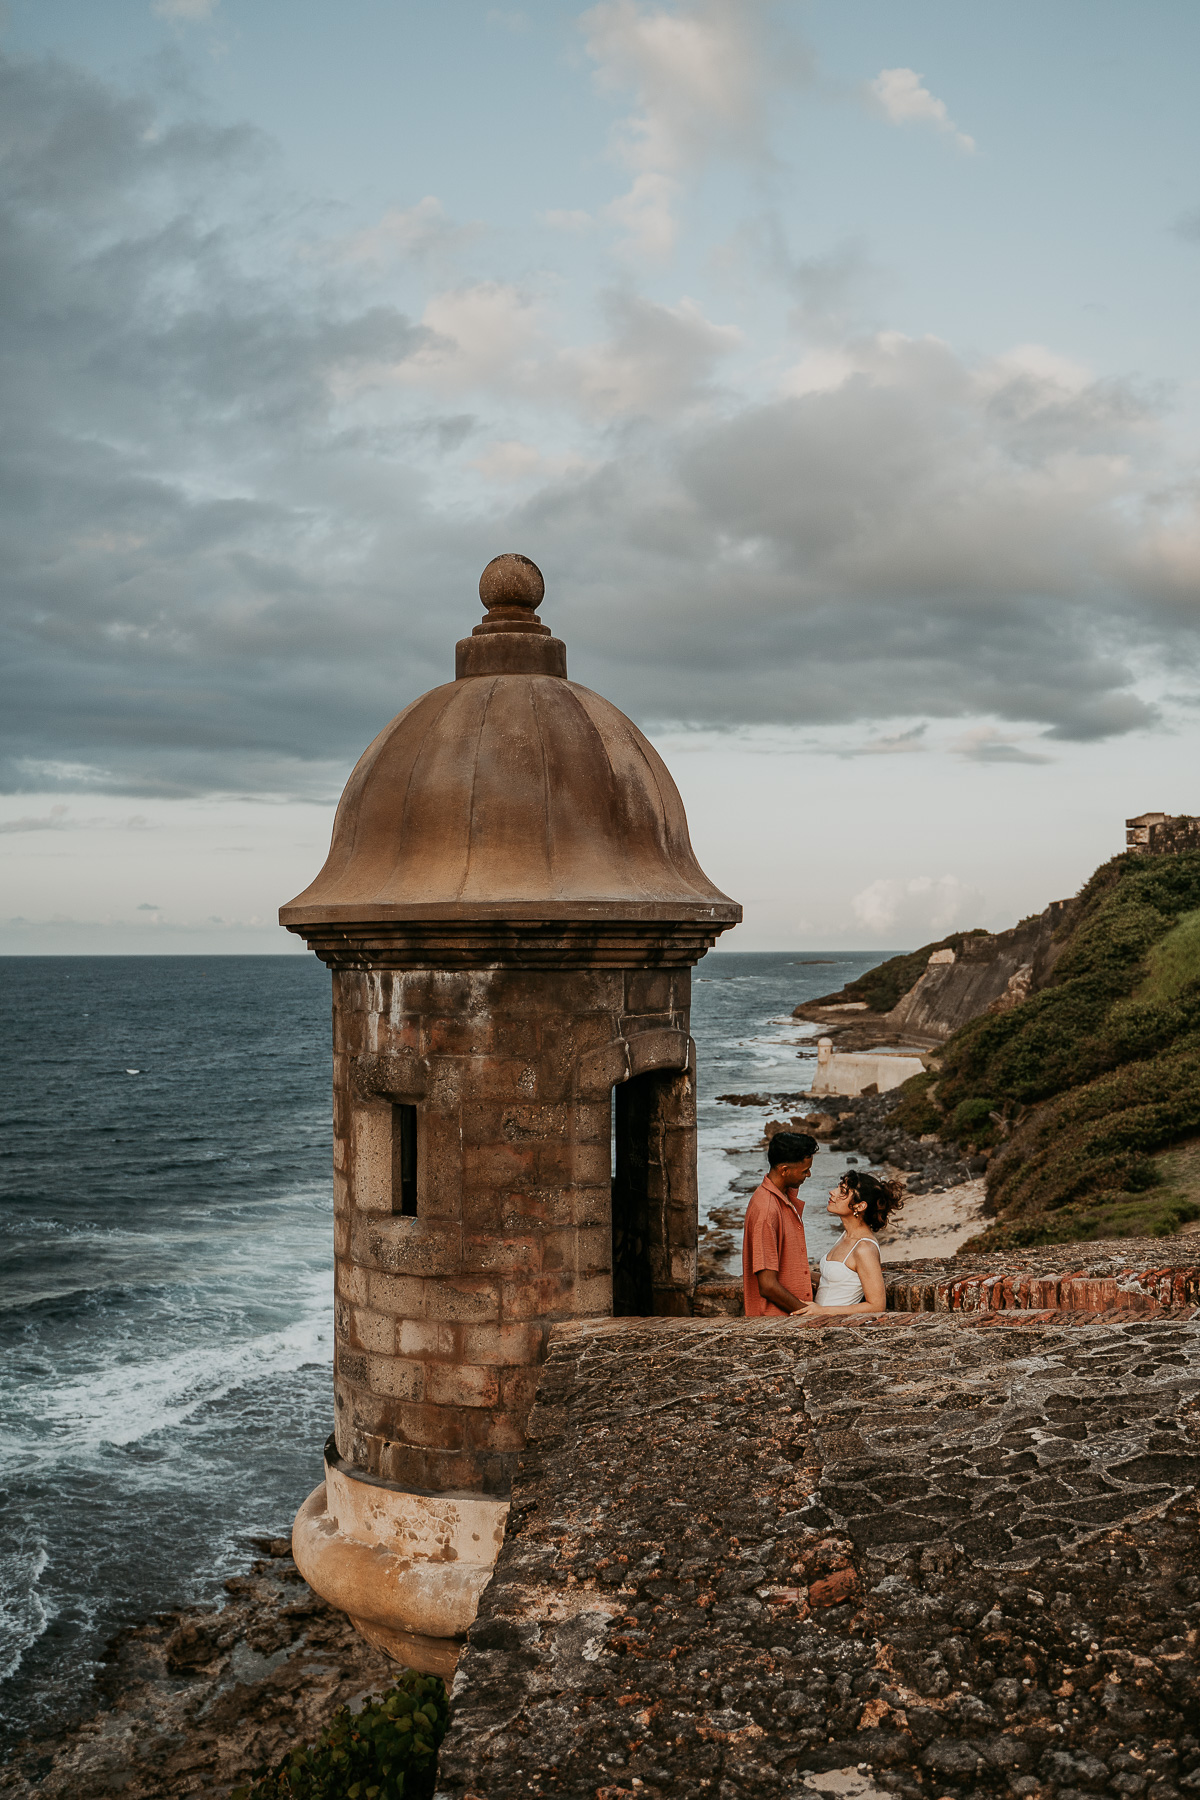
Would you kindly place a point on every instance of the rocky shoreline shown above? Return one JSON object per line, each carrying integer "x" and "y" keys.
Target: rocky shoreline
{"x": 865, "y": 1124}
{"x": 196, "y": 1698}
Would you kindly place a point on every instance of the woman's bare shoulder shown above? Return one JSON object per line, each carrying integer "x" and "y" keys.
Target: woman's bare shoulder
{"x": 872, "y": 1251}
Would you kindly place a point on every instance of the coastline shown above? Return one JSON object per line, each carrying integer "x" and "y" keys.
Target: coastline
{"x": 197, "y": 1698}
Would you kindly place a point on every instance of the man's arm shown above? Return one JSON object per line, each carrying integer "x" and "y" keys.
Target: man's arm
{"x": 773, "y": 1290}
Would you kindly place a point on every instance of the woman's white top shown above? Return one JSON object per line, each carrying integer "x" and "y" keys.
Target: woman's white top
{"x": 839, "y": 1285}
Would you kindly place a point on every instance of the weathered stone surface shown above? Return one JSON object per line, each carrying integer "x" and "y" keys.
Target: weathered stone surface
{"x": 959, "y": 1552}
{"x": 442, "y": 1314}
{"x": 197, "y": 1699}
{"x": 1160, "y": 834}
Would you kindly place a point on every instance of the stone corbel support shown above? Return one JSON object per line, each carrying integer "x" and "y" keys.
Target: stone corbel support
{"x": 408, "y": 1568}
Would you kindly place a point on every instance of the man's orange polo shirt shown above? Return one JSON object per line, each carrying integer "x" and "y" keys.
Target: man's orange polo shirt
{"x": 774, "y": 1240}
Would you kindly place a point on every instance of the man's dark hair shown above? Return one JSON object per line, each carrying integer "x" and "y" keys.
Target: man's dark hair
{"x": 789, "y": 1147}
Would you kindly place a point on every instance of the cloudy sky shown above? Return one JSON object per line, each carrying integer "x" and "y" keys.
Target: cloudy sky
{"x": 838, "y": 364}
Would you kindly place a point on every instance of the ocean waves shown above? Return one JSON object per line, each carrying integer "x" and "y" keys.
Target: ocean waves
{"x": 166, "y": 1333}
{"x": 167, "y": 1307}
{"x": 127, "y": 1399}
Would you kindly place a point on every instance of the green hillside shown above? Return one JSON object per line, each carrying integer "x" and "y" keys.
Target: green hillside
{"x": 1088, "y": 1092}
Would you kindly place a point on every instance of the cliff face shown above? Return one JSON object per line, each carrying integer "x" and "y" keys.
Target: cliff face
{"x": 925, "y": 996}
{"x": 986, "y": 974}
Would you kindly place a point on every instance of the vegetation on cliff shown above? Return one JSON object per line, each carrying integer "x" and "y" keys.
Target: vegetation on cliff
{"x": 1080, "y": 1089}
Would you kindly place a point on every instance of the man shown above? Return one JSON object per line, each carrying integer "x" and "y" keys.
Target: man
{"x": 775, "y": 1275}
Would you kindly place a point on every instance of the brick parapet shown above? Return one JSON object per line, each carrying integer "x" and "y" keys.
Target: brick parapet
{"x": 1107, "y": 1284}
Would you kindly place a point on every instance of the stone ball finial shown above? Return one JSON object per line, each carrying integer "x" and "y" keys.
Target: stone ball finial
{"x": 511, "y": 587}
{"x": 512, "y": 580}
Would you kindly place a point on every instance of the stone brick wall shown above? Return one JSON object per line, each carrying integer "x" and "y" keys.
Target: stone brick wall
{"x": 441, "y": 1318}
{"x": 1156, "y": 834}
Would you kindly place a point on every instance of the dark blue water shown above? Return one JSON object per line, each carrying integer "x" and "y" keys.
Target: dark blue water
{"x": 165, "y": 1291}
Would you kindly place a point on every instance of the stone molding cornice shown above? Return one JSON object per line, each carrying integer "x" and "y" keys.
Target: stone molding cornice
{"x": 512, "y": 943}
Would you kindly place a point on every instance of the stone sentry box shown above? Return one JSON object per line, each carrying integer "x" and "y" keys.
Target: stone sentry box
{"x": 511, "y": 909}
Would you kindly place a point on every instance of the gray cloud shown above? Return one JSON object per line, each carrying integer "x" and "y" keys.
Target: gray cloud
{"x": 897, "y": 743}
{"x": 55, "y": 820}
{"x": 227, "y": 560}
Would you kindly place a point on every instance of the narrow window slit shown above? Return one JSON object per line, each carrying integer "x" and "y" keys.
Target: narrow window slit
{"x": 404, "y": 1160}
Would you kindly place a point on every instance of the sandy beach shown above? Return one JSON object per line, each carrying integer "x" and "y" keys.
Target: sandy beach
{"x": 935, "y": 1224}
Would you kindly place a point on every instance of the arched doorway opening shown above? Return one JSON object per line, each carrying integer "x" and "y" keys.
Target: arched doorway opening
{"x": 653, "y": 1202}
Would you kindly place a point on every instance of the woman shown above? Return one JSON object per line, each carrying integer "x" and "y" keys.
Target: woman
{"x": 852, "y": 1273}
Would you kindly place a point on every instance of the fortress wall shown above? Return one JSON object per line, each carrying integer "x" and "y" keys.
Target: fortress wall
{"x": 1160, "y": 834}
{"x": 943, "y": 1556}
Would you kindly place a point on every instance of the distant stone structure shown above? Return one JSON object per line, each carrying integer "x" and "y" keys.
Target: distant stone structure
{"x": 864, "y": 1072}
{"x": 1160, "y": 834}
{"x": 511, "y": 908}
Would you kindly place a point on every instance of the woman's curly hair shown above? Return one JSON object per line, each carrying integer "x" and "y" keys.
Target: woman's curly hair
{"x": 882, "y": 1197}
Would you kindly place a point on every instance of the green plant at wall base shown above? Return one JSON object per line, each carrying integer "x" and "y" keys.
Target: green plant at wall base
{"x": 387, "y": 1751}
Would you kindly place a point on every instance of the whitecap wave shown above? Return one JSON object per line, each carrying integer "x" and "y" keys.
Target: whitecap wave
{"x": 24, "y": 1610}
{"x": 131, "y": 1400}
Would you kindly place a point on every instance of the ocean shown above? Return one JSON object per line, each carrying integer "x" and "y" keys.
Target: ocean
{"x": 166, "y": 1259}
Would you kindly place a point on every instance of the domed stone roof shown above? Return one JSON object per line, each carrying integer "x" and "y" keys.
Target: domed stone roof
{"x": 510, "y": 793}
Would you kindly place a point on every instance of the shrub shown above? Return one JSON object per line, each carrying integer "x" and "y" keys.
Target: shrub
{"x": 971, "y": 1122}
{"x": 917, "y": 1112}
{"x": 1100, "y": 1070}
{"x": 388, "y": 1751}
{"x": 1122, "y": 1217}
{"x": 1094, "y": 1146}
